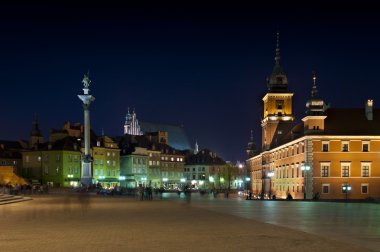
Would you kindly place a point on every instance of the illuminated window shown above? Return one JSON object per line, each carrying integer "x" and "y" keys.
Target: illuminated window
{"x": 325, "y": 169}
{"x": 345, "y": 167}
{"x": 365, "y": 169}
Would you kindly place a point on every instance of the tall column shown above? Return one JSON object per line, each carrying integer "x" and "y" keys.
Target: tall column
{"x": 87, "y": 99}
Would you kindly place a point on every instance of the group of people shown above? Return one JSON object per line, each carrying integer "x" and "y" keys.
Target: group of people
{"x": 23, "y": 189}
{"x": 145, "y": 193}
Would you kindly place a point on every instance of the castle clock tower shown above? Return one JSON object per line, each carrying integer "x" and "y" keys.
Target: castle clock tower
{"x": 278, "y": 112}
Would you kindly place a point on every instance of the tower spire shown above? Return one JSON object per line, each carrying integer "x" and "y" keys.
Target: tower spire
{"x": 278, "y": 82}
{"x": 278, "y": 56}
{"x": 314, "y": 90}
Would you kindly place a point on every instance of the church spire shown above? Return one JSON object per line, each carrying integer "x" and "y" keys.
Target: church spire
{"x": 196, "y": 149}
{"x": 35, "y": 135}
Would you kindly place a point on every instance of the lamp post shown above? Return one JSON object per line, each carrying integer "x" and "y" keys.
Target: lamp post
{"x": 346, "y": 188}
{"x": 305, "y": 168}
{"x": 270, "y": 175}
{"x": 246, "y": 182}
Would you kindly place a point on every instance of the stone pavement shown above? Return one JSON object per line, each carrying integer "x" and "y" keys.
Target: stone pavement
{"x": 92, "y": 223}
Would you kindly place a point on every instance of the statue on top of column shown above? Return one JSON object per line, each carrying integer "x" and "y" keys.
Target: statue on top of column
{"x": 86, "y": 80}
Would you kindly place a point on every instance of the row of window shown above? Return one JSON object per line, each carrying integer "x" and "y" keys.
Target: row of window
{"x": 346, "y": 169}
{"x": 4, "y": 162}
{"x": 139, "y": 161}
{"x": 196, "y": 176}
{"x": 71, "y": 170}
{"x": 100, "y": 172}
{"x": 289, "y": 151}
{"x": 325, "y": 188}
{"x": 154, "y": 162}
{"x": 172, "y": 159}
{"x": 70, "y": 158}
{"x": 194, "y": 169}
{"x": 345, "y": 146}
{"x": 364, "y": 188}
{"x": 101, "y": 162}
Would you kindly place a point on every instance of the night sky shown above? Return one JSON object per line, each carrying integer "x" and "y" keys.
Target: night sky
{"x": 202, "y": 67}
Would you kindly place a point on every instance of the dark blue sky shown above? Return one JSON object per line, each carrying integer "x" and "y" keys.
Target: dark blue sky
{"x": 201, "y": 67}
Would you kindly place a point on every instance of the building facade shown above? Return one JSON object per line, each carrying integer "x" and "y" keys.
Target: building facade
{"x": 106, "y": 162}
{"x": 330, "y": 154}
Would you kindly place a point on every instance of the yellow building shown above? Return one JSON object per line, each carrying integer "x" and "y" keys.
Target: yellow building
{"x": 331, "y": 154}
{"x": 106, "y": 164}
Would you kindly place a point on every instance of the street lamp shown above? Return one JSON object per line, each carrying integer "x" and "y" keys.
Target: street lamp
{"x": 270, "y": 175}
{"x": 305, "y": 168}
{"x": 346, "y": 188}
{"x": 247, "y": 179}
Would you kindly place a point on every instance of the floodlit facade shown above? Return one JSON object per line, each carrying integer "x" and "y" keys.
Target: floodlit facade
{"x": 331, "y": 154}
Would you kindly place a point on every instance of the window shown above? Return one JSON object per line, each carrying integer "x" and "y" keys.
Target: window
{"x": 101, "y": 162}
{"x": 365, "y": 169}
{"x": 108, "y": 154}
{"x": 39, "y": 158}
{"x": 325, "y": 146}
{"x": 96, "y": 172}
{"x": 27, "y": 159}
{"x": 365, "y": 146}
{"x": 292, "y": 172}
{"x": 345, "y": 169}
{"x": 344, "y": 146}
{"x": 364, "y": 188}
{"x": 325, "y": 188}
{"x": 108, "y": 162}
{"x": 114, "y": 163}
{"x": 108, "y": 173}
{"x": 325, "y": 168}
{"x": 150, "y": 163}
{"x": 95, "y": 161}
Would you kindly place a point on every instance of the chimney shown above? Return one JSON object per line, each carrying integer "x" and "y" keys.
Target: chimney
{"x": 369, "y": 110}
